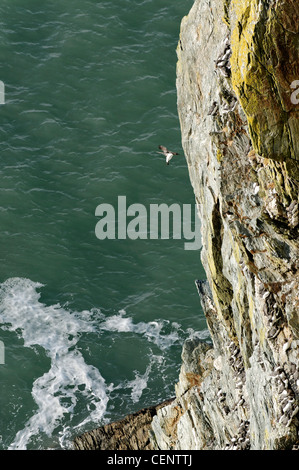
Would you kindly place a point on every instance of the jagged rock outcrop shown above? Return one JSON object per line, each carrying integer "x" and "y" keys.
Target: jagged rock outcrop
{"x": 129, "y": 433}
{"x": 237, "y": 65}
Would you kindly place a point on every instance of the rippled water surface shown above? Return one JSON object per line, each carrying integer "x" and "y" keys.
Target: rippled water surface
{"x": 92, "y": 329}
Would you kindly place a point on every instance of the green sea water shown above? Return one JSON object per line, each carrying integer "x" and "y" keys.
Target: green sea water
{"x": 90, "y": 329}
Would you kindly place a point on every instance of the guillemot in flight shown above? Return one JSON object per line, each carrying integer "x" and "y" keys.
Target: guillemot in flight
{"x": 168, "y": 154}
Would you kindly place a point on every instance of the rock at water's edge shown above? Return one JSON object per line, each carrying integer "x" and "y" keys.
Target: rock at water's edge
{"x": 129, "y": 433}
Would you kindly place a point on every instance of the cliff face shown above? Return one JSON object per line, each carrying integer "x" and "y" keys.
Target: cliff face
{"x": 237, "y": 64}
{"x": 236, "y": 72}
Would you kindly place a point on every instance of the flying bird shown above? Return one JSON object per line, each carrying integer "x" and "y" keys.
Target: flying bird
{"x": 168, "y": 154}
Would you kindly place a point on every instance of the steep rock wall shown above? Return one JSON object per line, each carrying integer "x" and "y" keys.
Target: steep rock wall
{"x": 237, "y": 61}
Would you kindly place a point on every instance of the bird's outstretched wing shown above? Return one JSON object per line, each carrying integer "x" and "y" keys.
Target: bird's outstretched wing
{"x": 164, "y": 149}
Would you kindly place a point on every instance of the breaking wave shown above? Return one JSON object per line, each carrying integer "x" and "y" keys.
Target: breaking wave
{"x": 72, "y": 394}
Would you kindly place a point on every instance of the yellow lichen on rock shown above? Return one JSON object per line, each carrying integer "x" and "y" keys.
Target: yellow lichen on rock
{"x": 264, "y": 37}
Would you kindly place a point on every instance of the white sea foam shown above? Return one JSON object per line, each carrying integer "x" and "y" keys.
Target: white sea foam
{"x": 57, "y": 331}
{"x": 139, "y": 383}
{"x": 152, "y": 331}
{"x": 70, "y": 381}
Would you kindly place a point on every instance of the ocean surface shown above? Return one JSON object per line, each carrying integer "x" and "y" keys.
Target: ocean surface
{"x": 90, "y": 329}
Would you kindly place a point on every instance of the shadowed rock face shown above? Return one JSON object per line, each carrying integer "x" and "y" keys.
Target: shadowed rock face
{"x": 236, "y": 63}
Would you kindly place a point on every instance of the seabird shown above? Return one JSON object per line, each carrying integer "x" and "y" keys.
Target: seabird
{"x": 273, "y": 332}
{"x": 284, "y": 420}
{"x": 213, "y": 109}
{"x": 293, "y": 368}
{"x": 168, "y": 154}
{"x": 281, "y": 389}
{"x": 282, "y": 375}
{"x": 241, "y": 401}
{"x": 287, "y": 407}
{"x": 287, "y": 345}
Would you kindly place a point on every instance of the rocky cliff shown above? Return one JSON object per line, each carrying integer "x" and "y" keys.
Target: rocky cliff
{"x": 236, "y": 76}
{"x": 237, "y": 64}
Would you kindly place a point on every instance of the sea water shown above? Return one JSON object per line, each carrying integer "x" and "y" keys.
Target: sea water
{"x": 90, "y": 329}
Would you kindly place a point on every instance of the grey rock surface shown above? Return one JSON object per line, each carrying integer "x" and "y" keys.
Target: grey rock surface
{"x": 242, "y": 393}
